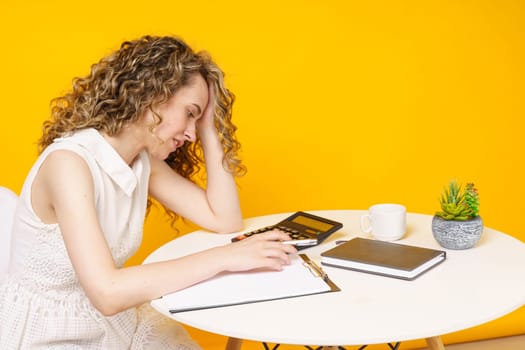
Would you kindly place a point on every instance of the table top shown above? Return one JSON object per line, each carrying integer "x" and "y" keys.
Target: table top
{"x": 471, "y": 287}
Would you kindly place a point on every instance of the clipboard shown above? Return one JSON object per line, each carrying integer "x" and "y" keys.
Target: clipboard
{"x": 301, "y": 278}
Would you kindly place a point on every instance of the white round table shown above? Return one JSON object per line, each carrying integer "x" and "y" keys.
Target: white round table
{"x": 471, "y": 287}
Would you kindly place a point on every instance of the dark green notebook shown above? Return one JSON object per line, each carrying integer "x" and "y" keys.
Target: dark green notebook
{"x": 383, "y": 258}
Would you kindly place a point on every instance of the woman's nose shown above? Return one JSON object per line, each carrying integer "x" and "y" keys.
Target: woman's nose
{"x": 190, "y": 133}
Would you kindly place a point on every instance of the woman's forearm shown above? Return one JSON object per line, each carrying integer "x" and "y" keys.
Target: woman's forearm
{"x": 131, "y": 286}
{"x": 221, "y": 189}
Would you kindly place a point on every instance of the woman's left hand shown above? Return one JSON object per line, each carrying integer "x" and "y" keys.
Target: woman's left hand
{"x": 207, "y": 121}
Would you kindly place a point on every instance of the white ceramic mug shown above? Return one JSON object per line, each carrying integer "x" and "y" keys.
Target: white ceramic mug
{"x": 386, "y": 222}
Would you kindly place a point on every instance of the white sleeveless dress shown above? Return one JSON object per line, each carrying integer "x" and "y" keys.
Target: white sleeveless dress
{"x": 42, "y": 305}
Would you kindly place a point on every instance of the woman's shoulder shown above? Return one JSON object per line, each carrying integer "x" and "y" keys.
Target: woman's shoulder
{"x": 87, "y": 143}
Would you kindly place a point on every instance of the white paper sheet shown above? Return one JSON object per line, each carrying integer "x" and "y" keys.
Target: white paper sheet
{"x": 243, "y": 287}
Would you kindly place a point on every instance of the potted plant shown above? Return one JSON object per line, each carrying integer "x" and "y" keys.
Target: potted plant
{"x": 458, "y": 224}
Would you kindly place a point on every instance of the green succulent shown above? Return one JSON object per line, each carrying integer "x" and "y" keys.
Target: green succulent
{"x": 457, "y": 203}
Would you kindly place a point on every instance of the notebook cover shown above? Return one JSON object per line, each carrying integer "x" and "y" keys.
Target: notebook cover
{"x": 395, "y": 256}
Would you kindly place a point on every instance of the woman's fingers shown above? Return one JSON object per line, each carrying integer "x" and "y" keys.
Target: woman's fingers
{"x": 263, "y": 250}
{"x": 273, "y": 235}
{"x": 277, "y": 252}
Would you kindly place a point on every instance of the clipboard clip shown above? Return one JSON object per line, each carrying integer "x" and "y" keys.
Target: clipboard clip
{"x": 315, "y": 269}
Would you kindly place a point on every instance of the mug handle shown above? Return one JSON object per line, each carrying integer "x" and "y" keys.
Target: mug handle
{"x": 363, "y": 219}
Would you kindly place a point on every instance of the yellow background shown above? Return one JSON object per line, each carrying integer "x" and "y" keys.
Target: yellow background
{"x": 340, "y": 104}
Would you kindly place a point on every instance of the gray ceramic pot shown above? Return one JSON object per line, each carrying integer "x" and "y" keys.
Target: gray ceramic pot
{"x": 452, "y": 234}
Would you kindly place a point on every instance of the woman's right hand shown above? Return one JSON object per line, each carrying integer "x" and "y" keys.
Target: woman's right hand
{"x": 260, "y": 251}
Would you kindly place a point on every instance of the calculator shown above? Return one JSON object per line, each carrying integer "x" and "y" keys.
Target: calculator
{"x": 304, "y": 229}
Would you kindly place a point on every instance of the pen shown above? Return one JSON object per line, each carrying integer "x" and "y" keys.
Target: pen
{"x": 301, "y": 242}
{"x": 314, "y": 267}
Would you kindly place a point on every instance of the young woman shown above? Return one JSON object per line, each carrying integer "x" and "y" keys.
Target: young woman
{"x": 140, "y": 125}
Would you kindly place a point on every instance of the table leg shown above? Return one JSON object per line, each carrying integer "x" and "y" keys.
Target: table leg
{"x": 233, "y": 344}
{"x": 435, "y": 343}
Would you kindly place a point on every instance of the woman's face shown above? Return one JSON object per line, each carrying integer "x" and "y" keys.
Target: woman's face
{"x": 179, "y": 118}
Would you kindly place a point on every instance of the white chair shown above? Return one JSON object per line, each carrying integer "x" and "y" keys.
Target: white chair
{"x": 8, "y": 201}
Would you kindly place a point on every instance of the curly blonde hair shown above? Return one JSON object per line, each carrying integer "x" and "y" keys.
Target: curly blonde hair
{"x": 142, "y": 74}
